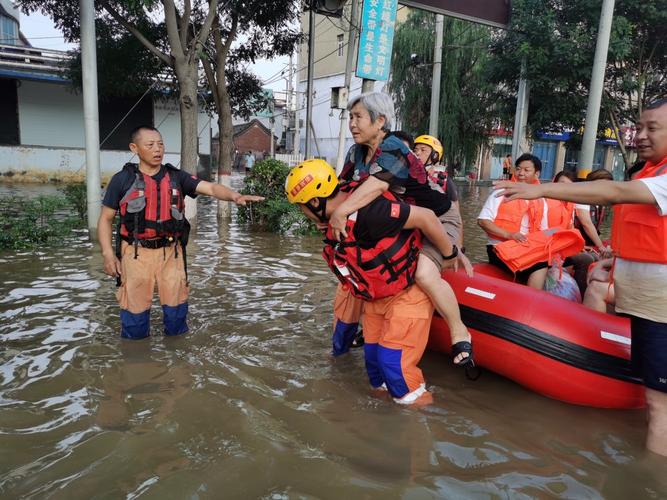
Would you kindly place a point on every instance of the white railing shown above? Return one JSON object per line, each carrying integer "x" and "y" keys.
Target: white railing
{"x": 291, "y": 159}
{"x": 16, "y": 56}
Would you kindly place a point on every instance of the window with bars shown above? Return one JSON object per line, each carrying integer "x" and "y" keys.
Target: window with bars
{"x": 9, "y": 31}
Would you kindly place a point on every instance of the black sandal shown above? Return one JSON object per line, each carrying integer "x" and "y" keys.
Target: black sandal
{"x": 472, "y": 371}
{"x": 461, "y": 347}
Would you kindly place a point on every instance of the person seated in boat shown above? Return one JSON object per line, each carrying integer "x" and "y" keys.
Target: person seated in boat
{"x": 430, "y": 151}
{"x": 376, "y": 260}
{"x": 589, "y": 221}
{"x": 600, "y": 294}
{"x": 381, "y": 162}
{"x": 507, "y": 220}
{"x": 561, "y": 214}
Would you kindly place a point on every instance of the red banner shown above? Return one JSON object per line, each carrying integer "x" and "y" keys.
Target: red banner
{"x": 491, "y": 12}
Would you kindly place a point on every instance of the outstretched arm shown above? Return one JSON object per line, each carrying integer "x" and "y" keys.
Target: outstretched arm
{"x": 595, "y": 193}
{"x": 224, "y": 193}
{"x": 370, "y": 189}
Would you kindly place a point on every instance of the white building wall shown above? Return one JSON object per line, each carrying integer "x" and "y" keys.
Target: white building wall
{"x": 52, "y": 136}
{"x": 326, "y": 121}
{"x": 167, "y": 120}
{"x": 50, "y": 115}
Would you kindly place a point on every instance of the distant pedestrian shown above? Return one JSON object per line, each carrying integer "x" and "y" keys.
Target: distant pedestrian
{"x": 249, "y": 161}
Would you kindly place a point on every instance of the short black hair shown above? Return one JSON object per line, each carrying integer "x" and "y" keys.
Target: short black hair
{"x": 134, "y": 134}
{"x": 403, "y": 136}
{"x": 537, "y": 163}
{"x": 657, "y": 103}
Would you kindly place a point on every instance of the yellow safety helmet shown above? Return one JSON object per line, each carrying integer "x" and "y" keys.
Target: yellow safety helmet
{"x": 310, "y": 179}
{"x": 435, "y": 144}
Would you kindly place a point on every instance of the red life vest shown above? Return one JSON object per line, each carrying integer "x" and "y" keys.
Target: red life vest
{"x": 373, "y": 270}
{"x": 560, "y": 213}
{"x": 439, "y": 177}
{"x": 150, "y": 210}
{"x": 639, "y": 232}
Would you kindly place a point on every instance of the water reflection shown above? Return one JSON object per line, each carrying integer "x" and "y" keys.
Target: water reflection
{"x": 250, "y": 405}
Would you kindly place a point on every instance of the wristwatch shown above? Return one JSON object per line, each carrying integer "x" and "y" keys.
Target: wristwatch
{"x": 455, "y": 252}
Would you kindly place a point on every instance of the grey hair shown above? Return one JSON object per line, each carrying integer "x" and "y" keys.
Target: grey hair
{"x": 377, "y": 104}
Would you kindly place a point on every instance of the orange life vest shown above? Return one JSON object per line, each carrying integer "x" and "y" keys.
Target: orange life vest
{"x": 638, "y": 231}
{"x": 560, "y": 213}
{"x": 510, "y": 214}
{"x": 539, "y": 246}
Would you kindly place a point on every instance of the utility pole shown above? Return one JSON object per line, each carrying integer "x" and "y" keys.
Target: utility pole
{"x": 90, "y": 113}
{"x": 349, "y": 65}
{"x": 311, "y": 64}
{"x": 437, "y": 71}
{"x": 585, "y": 164}
{"x": 521, "y": 116}
{"x": 290, "y": 130}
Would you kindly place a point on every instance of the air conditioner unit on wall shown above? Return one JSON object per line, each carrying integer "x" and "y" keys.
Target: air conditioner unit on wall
{"x": 339, "y": 96}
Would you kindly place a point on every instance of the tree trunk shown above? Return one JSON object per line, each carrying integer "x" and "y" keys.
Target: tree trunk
{"x": 226, "y": 133}
{"x": 187, "y": 78}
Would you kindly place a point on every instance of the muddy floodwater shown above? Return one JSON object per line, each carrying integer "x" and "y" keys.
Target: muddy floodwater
{"x": 251, "y": 405}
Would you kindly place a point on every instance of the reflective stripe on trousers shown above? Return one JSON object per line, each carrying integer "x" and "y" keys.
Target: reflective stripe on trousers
{"x": 396, "y": 331}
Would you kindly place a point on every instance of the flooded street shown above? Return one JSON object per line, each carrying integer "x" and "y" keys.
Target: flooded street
{"x": 249, "y": 404}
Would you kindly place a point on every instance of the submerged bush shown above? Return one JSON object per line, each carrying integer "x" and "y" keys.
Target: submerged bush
{"x": 31, "y": 223}
{"x": 276, "y": 214}
{"x": 76, "y": 196}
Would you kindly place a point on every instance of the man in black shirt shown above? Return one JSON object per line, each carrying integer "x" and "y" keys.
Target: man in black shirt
{"x": 396, "y": 325}
{"x": 150, "y": 199}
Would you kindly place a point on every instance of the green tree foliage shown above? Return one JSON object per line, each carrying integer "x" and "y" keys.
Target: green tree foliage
{"x": 33, "y": 223}
{"x": 466, "y": 98}
{"x": 275, "y": 214}
{"x": 558, "y": 37}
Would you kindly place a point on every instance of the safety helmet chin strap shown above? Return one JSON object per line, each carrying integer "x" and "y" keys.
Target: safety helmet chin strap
{"x": 321, "y": 211}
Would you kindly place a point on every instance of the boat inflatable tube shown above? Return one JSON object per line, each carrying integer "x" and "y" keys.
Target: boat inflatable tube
{"x": 550, "y": 345}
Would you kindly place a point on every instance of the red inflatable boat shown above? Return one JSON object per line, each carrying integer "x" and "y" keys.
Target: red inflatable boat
{"x": 550, "y": 345}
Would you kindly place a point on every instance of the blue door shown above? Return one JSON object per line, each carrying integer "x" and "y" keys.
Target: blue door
{"x": 546, "y": 152}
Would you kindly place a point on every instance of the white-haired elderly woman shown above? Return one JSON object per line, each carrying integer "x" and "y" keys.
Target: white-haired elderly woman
{"x": 382, "y": 161}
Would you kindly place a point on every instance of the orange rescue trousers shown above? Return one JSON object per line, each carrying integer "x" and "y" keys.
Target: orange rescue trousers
{"x": 396, "y": 332}
{"x": 161, "y": 266}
